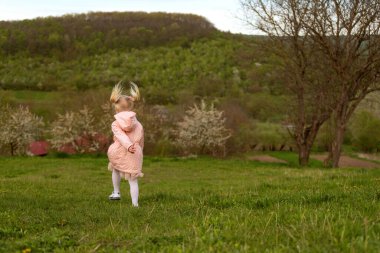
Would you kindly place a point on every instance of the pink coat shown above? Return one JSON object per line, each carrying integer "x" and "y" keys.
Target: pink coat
{"x": 127, "y": 130}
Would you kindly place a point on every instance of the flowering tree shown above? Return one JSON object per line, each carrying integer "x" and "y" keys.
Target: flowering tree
{"x": 103, "y": 123}
{"x": 76, "y": 129}
{"x": 18, "y": 128}
{"x": 202, "y": 130}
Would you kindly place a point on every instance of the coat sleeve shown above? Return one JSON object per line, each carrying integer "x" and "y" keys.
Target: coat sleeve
{"x": 141, "y": 142}
{"x": 121, "y": 136}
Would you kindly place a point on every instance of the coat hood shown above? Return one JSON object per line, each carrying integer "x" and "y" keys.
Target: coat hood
{"x": 126, "y": 120}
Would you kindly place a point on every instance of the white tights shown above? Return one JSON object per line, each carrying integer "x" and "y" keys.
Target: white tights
{"x": 133, "y": 185}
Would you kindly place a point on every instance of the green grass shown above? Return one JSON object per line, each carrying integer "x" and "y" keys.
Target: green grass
{"x": 292, "y": 159}
{"x": 40, "y": 102}
{"x": 187, "y": 205}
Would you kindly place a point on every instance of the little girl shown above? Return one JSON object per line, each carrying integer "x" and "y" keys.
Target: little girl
{"x": 126, "y": 153}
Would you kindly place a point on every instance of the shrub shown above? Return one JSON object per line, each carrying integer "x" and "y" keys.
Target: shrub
{"x": 253, "y": 135}
{"x": 76, "y": 131}
{"x": 18, "y": 128}
{"x": 202, "y": 130}
{"x": 243, "y": 139}
{"x": 158, "y": 122}
{"x": 324, "y": 137}
{"x": 365, "y": 131}
{"x": 271, "y": 136}
{"x": 105, "y": 119}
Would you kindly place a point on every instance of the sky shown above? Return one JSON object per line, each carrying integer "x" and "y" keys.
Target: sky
{"x": 222, "y": 13}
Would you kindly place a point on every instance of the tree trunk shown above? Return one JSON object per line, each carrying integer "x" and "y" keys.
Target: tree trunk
{"x": 304, "y": 140}
{"x": 12, "y": 149}
{"x": 303, "y": 154}
{"x": 342, "y": 117}
{"x": 336, "y": 146}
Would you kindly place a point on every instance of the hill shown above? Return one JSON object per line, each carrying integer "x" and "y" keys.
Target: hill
{"x": 70, "y": 36}
{"x": 163, "y": 52}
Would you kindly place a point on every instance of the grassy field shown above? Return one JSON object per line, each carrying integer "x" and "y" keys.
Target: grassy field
{"x": 187, "y": 205}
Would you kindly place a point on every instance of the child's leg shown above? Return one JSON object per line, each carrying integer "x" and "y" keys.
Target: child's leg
{"x": 134, "y": 188}
{"x": 116, "y": 181}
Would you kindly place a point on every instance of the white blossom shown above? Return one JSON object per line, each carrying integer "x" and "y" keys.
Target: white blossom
{"x": 202, "y": 130}
{"x": 18, "y": 128}
{"x": 74, "y": 128}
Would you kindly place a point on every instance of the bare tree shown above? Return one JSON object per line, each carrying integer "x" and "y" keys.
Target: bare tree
{"x": 301, "y": 65}
{"x": 332, "y": 50}
{"x": 348, "y": 34}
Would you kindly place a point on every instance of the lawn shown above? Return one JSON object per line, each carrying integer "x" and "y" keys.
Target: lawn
{"x": 187, "y": 205}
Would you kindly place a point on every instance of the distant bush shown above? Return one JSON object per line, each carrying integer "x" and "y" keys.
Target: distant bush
{"x": 243, "y": 139}
{"x": 202, "y": 131}
{"x": 324, "y": 137}
{"x": 158, "y": 122}
{"x": 76, "y": 132}
{"x": 241, "y": 125}
{"x": 271, "y": 136}
{"x": 18, "y": 128}
{"x": 266, "y": 107}
{"x": 365, "y": 131}
{"x": 104, "y": 119}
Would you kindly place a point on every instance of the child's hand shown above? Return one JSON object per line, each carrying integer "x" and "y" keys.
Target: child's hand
{"x": 132, "y": 148}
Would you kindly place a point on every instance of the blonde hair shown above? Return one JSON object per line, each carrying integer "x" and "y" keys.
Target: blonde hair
{"x": 118, "y": 92}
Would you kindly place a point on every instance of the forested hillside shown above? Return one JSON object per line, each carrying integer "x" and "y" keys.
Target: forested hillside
{"x": 159, "y": 51}
{"x": 71, "y": 36}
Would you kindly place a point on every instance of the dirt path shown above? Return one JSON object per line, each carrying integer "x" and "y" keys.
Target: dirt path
{"x": 266, "y": 159}
{"x": 346, "y": 161}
